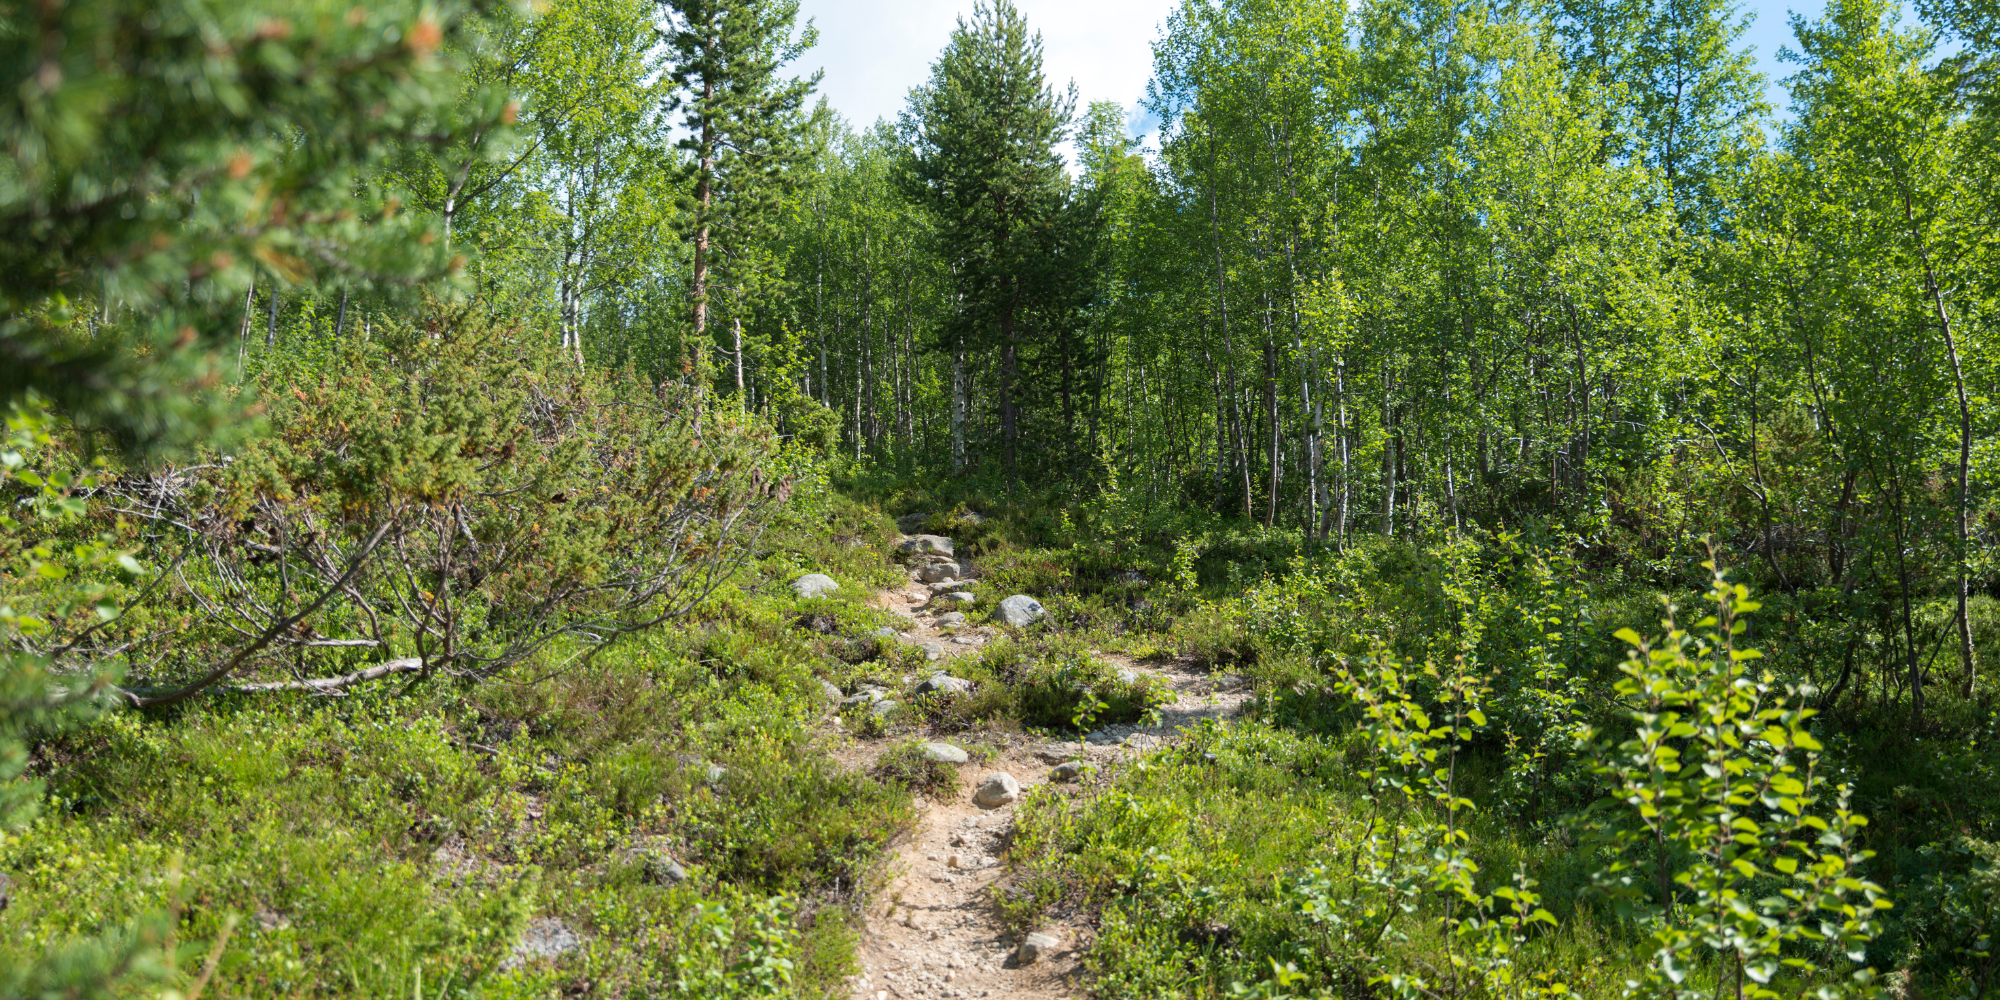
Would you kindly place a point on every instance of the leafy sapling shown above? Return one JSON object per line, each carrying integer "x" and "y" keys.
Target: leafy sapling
{"x": 1735, "y": 855}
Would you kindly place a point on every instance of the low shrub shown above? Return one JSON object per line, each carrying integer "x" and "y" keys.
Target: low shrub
{"x": 907, "y": 764}
{"x": 1073, "y": 690}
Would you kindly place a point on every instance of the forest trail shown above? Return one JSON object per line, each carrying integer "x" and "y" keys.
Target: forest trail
{"x": 934, "y": 932}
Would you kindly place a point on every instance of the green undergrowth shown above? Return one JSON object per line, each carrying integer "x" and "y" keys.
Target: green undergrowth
{"x": 664, "y": 814}
{"x": 1197, "y": 867}
{"x": 1533, "y": 611}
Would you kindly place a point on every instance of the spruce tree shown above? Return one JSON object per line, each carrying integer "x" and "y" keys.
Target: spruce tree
{"x": 984, "y": 131}
{"x": 745, "y": 134}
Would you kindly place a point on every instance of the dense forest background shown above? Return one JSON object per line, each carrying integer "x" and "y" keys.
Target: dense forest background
{"x": 418, "y": 413}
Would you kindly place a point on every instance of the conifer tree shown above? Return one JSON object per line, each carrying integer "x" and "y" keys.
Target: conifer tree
{"x": 984, "y": 131}
{"x": 745, "y": 134}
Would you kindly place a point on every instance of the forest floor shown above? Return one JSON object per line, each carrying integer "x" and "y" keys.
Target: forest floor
{"x": 935, "y": 932}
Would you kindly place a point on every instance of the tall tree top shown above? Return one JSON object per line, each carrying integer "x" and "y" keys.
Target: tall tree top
{"x": 985, "y": 127}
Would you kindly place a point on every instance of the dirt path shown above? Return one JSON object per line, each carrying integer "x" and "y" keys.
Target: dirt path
{"x": 934, "y": 932}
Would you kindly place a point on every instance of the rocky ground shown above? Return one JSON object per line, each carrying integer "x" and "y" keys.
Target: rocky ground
{"x": 934, "y": 932}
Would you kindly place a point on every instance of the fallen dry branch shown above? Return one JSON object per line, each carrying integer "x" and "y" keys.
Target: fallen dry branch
{"x": 321, "y": 685}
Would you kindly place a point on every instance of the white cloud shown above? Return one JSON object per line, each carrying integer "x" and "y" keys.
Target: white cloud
{"x": 874, "y": 51}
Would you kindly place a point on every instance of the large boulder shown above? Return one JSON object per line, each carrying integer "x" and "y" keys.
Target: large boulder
{"x": 996, "y": 790}
{"x": 543, "y": 940}
{"x": 1036, "y": 947}
{"x": 1020, "y": 611}
{"x": 943, "y": 683}
{"x": 925, "y": 544}
{"x": 938, "y": 572}
{"x": 814, "y": 585}
{"x": 945, "y": 753}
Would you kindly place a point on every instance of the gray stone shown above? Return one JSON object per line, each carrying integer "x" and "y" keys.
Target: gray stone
{"x": 544, "y": 939}
{"x": 1229, "y": 682}
{"x": 925, "y": 544}
{"x": 1036, "y": 947}
{"x": 955, "y": 598}
{"x": 1020, "y": 611}
{"x": 946, "y": 587}
{"x": 660, "y": 869}
{"x": 866, "y": 694}
{"x": 932, "y": 650}
{"x": 996, "y": 790}
{"x": 885, "y": 632}
{"x": 883, "y": 707}
{"x": 1067, "y": 771}
{"x": 945, "y": 753}
{"x": 829, "y": 692}
{"x": 1127, "y": 675}
{"x": 951, "y": 619}
{"x": 814, "y": 585}
{"x": 715, "y": 773}
{"x": 911, "y": 522}
{"x": 938, "y": 572}
{"x": 945, "y": 683}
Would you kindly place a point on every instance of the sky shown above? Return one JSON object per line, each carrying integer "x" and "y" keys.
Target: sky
{"x": 874, "y": 51}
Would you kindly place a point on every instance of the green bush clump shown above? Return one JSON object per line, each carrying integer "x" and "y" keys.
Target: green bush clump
{"x": 1073, "y": 690}
{"x": 908, "y": 765}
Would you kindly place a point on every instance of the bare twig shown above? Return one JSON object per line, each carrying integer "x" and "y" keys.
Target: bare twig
{"x": 276, "y": 629}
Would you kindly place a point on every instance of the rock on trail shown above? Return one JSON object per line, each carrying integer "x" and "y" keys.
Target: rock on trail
{"x": 932, "y": 933}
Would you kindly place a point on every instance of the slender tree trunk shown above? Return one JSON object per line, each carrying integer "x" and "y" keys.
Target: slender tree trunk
{"x": 1968, "y": 665}
{"x": 271, "y": 322}
{"x": 736, "y": 337}
{"x": 958, "y": 408}
{"x": 339, "y": 324}
{"x": 1271, "y": 416}
{"x": 1228, "y": 338}
{"x": 1346, "y": 449}
{"x": 704, "y": 197}
{"x": 249, "y": 303}
{"x": 1008, "y": 428}
{"x": 1391, "y": 439}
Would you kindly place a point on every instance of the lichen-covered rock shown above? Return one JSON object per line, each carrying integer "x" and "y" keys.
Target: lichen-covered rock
{"x": 945, "y": 753}
{"x": 814, "y": 585}
{"x": 1036, "y": 947}
{"x": 1020, "y": 611}
{"x": 996, "y": 790}
{"x": 926, "y": 544}
{"x": 944, "y": 683}
{"x": 544, "y": 939}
